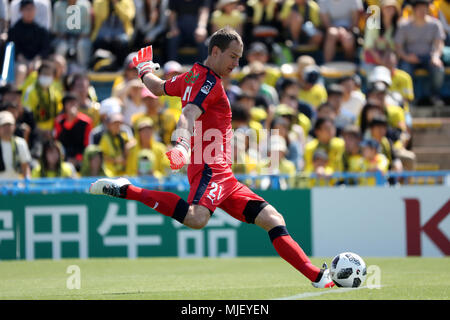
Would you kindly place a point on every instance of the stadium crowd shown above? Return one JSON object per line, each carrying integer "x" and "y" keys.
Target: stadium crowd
{"x": 53, "y": 125}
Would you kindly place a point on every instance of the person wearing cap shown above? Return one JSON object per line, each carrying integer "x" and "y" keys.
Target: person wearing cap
{"x": 227, "y": 14}
{"x": 72, "y": 129}
{"x": 372, "y": 161}
{"x": 145, "y": 141}
{"x": 311, "y": 90}
{"x": 70, "y": 40}
{"x": 340, "y": 19}
{"x": 128, "y": 73}
{"x": 15, "y": 156}
{"x": 152, "y": 110}
{"x": 92, "y": 165}
{"x": 258, "y": 52}
{"x": 325, "y": 139}
{"x": 302, "y": 19}
{"x": 51, "y": 162}
{"x": 109, "y": 106}
{"x": 114, "y": 145}
{"x": 379, "y": 44}
{"x": 30, "y": 39}
{"x": 420, "y": 42}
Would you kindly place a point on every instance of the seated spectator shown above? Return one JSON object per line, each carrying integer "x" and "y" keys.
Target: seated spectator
{"x": 326, "y": 110}
{"x": 322, "y": 171}
{"x": 352, "y": 155}
{"x": 343, "y": 117}
{"x": 288, "y": 89}
{"x": 371, "y": 161}
{"x": 114, "y": 145}
{"x": 43, "y": 15}
{"x": 30, "y": 39}
{"x": 73, "y": 40}
{"x": 311, "y": 90}
{"x": 326, "y": 140}
{"x": 302, "y": 19}
{"x": 258, "y": 69}
{"x": 340, "y": 19}
{"x": 79, "y": 85}
{"x": 188, "y": 22}
{"x": 151, "y": 22}
{"x": 264, "y": 22}
{"x": 108, "y": 107}
{"x": 44, "y": 99}
{"x": 379, "y": 44}
{"x": 132, "y": 100}
{"x": 420, "y": 41}
{"x": 396, "y": 117}
{"x": 152, "y": 110}
{"x": 444, "y": 17}
{"x": 277, "y": 163}
{"x": 113, "y": 26}
{"x": 227, "y": 14}
{"x": 378, "y": 131}
{"x": 92, "y": 165}
{"x": 147, "y": 156}
{"x": 294, "y": 137}
{"x": 72, "y": 129}
{"x": 25, "y": 124}
{"x": 253, "y": 99}
{"x": 258, "y": 52}
{"x": 244, "y": 158}
{"x": 52, "y": 164}
{"x": 15, "y": 156}
{"x": 353, "y": 100}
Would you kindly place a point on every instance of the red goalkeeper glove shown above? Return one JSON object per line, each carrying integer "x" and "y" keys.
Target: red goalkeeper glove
{"x": 179, "y": 155}
{"x": 143, "y": 62}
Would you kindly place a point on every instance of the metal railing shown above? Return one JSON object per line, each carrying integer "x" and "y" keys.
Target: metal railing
{"x": 179, "y": 182}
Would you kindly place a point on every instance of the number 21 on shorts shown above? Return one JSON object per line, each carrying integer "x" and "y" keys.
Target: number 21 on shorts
{"x": 212, "y": 193}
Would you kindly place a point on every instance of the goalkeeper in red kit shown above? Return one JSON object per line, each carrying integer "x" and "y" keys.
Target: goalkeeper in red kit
{"x": 205, "y": 108}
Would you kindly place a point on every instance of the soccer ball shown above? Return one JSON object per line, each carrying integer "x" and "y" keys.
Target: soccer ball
{"x": 348, "y": 270}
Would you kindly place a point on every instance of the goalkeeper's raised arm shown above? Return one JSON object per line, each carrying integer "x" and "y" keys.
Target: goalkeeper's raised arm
{"x": 146, "y": 67}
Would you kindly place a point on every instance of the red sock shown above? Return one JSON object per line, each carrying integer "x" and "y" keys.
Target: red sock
{"x": 290, "y": 251}
{"x": 167, "y": 203}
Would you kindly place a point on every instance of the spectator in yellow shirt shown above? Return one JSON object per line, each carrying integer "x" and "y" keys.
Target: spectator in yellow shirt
{"x": 326, "y": 140}
{"x": 227, "y": 14}
{"x": 51, "y": 163}
{"x": 311, "y": 90}
{"x": 43, "y": 98}
{"x": 113, "y": 144}
{"x": 153, "y": 161}
{"x": 372, "y": 161}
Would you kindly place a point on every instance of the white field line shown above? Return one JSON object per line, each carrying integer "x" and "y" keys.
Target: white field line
{"x": 306, "y": 295}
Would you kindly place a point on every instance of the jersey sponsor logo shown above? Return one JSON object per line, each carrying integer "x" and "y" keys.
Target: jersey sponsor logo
{"x": 191, "y": 77}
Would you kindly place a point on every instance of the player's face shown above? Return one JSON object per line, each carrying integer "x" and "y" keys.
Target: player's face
{"x": 229, "y": 59}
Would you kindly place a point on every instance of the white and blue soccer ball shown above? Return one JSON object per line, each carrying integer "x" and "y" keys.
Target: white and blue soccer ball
{"x": 348, "y": 270}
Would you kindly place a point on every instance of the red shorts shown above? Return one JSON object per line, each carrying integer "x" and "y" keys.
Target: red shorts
{"x": 213, "y": 187}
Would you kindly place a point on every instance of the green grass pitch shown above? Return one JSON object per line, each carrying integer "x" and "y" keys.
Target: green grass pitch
{"x": 237, "y": 278}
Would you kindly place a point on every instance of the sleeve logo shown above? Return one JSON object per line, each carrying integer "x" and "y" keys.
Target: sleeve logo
{"x": 206, "y": 87}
